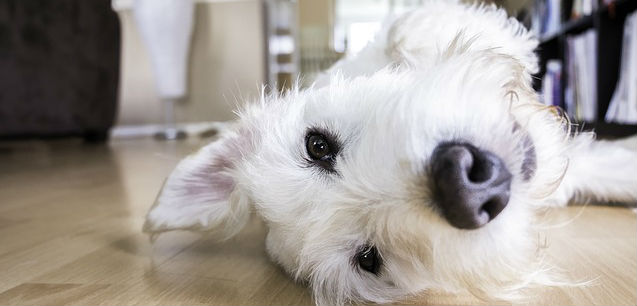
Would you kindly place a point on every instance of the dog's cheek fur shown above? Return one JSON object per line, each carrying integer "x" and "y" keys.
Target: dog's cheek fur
{"x": 485, "y": 26}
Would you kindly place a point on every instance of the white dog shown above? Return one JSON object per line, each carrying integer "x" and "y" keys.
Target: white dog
{"x": 418, "y": 164}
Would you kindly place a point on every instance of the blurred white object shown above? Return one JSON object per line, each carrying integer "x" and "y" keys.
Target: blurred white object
{"x": 581, "y": 92}
{"x": 623, "y": 105}
{"x": 552, "y": 83}
{"x": 166, "y": 28}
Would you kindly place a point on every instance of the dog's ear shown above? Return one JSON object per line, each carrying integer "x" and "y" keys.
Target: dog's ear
{"x": 202, "y": 193}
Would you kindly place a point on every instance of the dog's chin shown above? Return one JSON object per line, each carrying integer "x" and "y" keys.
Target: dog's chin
{"x": 492, "y": 262}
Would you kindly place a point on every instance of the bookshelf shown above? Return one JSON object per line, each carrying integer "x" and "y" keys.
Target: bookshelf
{"x": 608, "y": 21}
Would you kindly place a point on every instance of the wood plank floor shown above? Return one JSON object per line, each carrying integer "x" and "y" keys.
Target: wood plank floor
{"x": 70, "y": 233}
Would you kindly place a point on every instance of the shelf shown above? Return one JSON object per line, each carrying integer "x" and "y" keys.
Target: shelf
{"x": 586, "y": 22}
{"x": 619, "y": 6}
{"x": 609, "y": 130}
{"x": 608, "y": 22}
{"x": 574, "y": 26}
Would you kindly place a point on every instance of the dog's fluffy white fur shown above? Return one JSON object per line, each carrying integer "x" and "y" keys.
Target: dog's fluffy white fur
{"x": 445, "y": 72}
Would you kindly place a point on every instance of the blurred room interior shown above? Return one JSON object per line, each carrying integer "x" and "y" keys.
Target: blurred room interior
{"x": 85, "y": 106}
{"x": 234, "y": 47}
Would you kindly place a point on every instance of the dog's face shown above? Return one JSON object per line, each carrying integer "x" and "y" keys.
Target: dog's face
{"x": 384, "y": 186}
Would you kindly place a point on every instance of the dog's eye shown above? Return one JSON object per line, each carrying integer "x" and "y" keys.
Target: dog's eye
{"x": 322, "y": 148}
{"x": 369, "y": 260}
{"x": 318, "y": 147}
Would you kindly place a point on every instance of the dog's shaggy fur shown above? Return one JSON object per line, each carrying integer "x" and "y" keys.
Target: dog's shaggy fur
{"x": 446, "y": 72}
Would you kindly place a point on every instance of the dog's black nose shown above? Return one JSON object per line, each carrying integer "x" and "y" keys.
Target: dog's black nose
{"x": 471, "y": 186}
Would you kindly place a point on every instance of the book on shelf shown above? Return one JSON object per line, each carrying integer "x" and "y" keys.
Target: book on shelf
{"x": 552, "y": 84}
{"x": 546, "y": 17}
{"x": 580, "y": 94}
{"x": 623, "y": 104}
{"x": 547, "y": 14}
{"x": 583, "y": 8}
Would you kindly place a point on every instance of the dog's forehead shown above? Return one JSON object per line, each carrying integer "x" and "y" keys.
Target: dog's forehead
{"x": 348, "y": 105}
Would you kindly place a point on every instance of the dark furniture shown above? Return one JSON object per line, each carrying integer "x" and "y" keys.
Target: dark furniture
{"x": 59, "y": 68}
{"x": 608, "y": 21}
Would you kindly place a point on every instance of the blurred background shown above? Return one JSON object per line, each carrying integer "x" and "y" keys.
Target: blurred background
{"x": 136, "y": 68}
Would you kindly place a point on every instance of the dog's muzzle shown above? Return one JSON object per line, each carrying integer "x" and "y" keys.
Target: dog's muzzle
{"x": 471, "y": 186}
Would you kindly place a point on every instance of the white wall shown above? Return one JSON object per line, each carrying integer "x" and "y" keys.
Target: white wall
{"x": 226, "y": 63}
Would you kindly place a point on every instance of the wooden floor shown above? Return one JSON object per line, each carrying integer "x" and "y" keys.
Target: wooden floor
{"x": 70, "y": 233}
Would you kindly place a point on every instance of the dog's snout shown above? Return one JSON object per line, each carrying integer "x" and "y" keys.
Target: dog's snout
{"x": 472, "y": 186}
